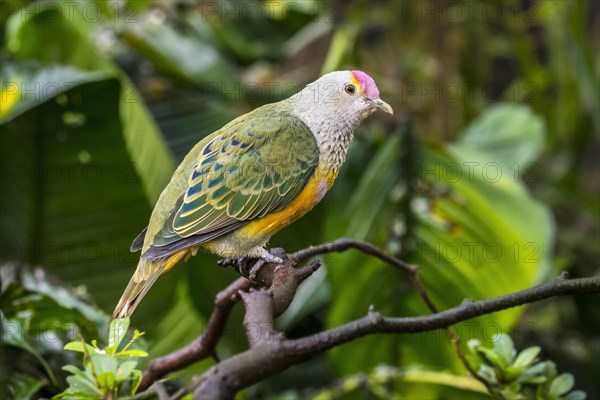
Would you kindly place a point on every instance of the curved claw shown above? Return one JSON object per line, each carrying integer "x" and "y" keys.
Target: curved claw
{"x": 234, "y": 261}
{"x": 255, "y": 268}
{"x": 241, "y": 264}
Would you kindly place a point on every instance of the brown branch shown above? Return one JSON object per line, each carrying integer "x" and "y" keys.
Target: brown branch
{"x": 258, "y": 320}
{"x": 270, "y": 352}
{"x": 344, "y": 244}
{"x": 341, "y": 245}
{"x": 222, "y": 381}
{"x": 203, "y": 346}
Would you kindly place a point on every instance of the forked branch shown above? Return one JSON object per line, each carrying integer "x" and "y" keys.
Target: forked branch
{"x": 271, "y": 352}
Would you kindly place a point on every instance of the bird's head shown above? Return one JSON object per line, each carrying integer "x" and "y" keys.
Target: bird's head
{"x": 332, "y": 107}
{"x": 352, "y": 92}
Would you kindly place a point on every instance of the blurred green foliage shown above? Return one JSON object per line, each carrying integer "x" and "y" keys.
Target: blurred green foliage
{"x": 510, "y": 375}
{"x": 490, "y": 187}
{"x": 39, "y": 316}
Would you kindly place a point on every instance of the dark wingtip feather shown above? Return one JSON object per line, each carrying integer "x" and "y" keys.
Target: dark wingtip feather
{"x": 138, "y": 242}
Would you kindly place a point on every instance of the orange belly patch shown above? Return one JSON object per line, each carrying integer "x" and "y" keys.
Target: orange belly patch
{"x": 313, "y": 192}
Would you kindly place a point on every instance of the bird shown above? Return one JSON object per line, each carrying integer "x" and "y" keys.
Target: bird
{"x": 256, "y": 175}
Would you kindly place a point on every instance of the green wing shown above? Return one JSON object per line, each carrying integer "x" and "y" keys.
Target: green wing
{"x": 253, "y": 166}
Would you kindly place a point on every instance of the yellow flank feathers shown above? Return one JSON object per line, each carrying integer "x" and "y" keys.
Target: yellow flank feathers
{"x": 311, "y": 194}
{"x": 174, "y": 259}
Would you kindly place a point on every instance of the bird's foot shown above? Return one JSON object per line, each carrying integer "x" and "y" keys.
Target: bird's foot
{"x": 245, "y": 267}
{"x": 279, "y": 252}
{"x": 233, "y": 261}
{"x": 240, "y": 264}
{"x": 270, "y": 258}
{"x": 265, "y": 258}
{"x": 255, "y": 268}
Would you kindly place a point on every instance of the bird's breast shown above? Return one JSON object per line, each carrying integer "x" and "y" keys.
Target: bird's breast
{"x": 311, "y": 195}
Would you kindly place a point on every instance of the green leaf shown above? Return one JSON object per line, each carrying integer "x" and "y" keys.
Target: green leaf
{"x": 533, "y": 379}
{"x": 23, "y": 386}
{"x": 80, "y": 347}
{"x": 170, "y": 51}
{"x": 83, "y": 385}
{"x": 106, "y": 381}
{"x": 132, "y": 353}
{"x": 59, "y": 27}
{"x": 536, "y": 373}
{"x": 104, "y": 363}
{"x": 492, "y": 357}
{"x": 118, "y": 330}
{"x": 72, "y": 369}
{"x": 527, "y": 357}
{"x": 48, "y": 82}
{"x": 135, "y": 380}
{"x": 505, "y": 348}
{"x": 574, "y": 395}
{"x": 511, "y": 132}
{"x": 561, "y": 384}
{"x": 125, "y": 370}
{"x": 444, "y": 378}
{"x": 488, "y": 373}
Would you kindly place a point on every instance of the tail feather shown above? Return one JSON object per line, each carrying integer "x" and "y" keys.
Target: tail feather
{"x": 146, "y": 274}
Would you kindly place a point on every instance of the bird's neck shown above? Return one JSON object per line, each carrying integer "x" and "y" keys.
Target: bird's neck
{"x": 333, "y": 131}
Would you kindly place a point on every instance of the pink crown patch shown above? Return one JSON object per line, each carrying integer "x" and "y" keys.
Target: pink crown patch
{"x": 367, "y": 83}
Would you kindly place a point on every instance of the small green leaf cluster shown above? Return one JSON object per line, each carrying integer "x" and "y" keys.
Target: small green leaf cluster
{"x": 520, "y": 376}
{"x": 39, "y": 316}
{"x": 109, "y": 372}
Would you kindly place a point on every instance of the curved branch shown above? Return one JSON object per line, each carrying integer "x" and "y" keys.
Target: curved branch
{"x": 204, "y": 345}
{"x": 284, "y": 285}
{"x": 343, "y": 244}
{"x": 270, "y": 352}
{"x": 271, "y": 356}
{"x": 375, "y": 323}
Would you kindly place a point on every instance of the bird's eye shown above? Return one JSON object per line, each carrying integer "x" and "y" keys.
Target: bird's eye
{"x": 350, "y": 89}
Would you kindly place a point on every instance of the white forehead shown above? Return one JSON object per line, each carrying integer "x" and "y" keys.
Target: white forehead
{"x": 338, "y": 77}
{"x": 328, "y": 83}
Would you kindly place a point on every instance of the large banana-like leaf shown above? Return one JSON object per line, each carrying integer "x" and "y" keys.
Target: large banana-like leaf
{"x": 479, "y": 234}
{"x": 181, "y": 55}
{"x": 66, "y": 33}
{"x": 95, "y": 124}
{"x": 72, "y": 199}
{"x": 82, "y": 160}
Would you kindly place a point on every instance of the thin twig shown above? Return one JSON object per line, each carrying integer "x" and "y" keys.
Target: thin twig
{"x": 344, "y": 244}
{"x": 341, "y": 245}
